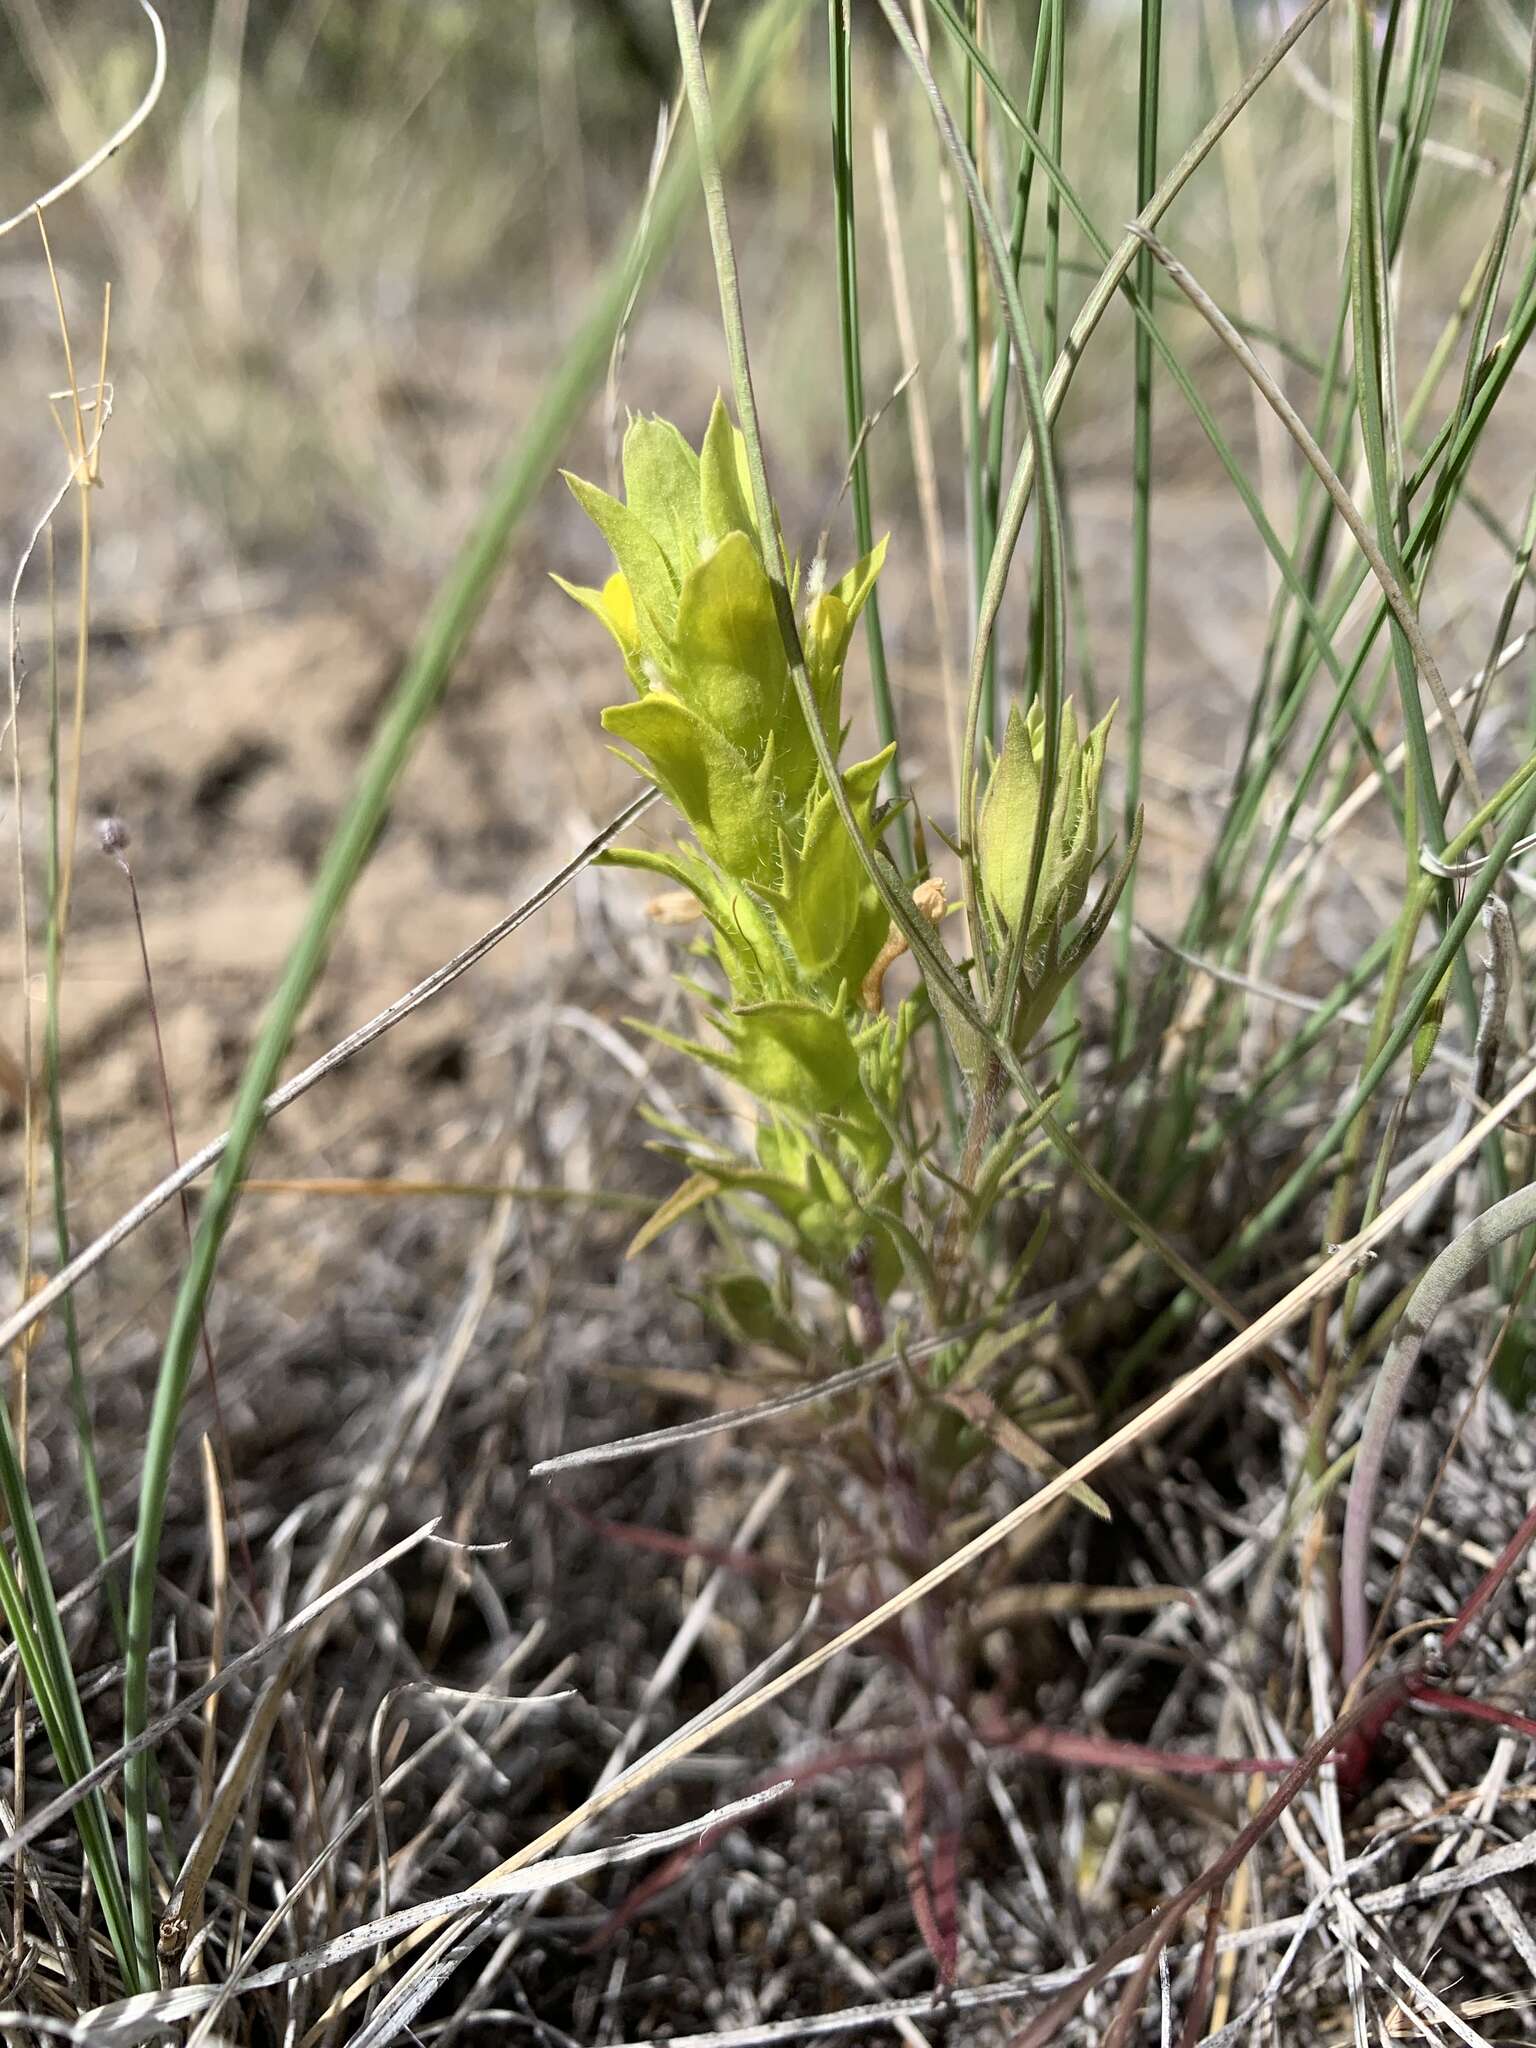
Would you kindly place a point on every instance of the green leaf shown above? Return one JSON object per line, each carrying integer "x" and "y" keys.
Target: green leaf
{"x": 1009, "y": 821}
{"x": 725, "y": 484}
{"x": 777, "y": 1055}
{"x": 746, "y": 1308}
{"x": 746, "y": 943}
{"x": 644, "y": 567}
{"x": 1514, "y": 1364}
{"x": 819, "y": 1199}
{"x": 854, "y": 588}
{"x": 729, "y": 659}
{"x": 1005, "y": 831}
{"x": 862, "y": 782}
{"x": 1057, "y": 968}
{"x": 1083, "y": 817}
{"x": 827, "y": 901}
{"x": 829, "y": 630}
{"x": 820, "y": 899}
{"x": 993, "y": 1345}
{"x": 661, "y": 487}
{"x": 797, "y": 1059}
{"x": 796, "y": 1056}
{"x": 711, "y": 782}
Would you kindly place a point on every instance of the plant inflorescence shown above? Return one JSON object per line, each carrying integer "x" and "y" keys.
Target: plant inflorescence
{"x": 846, "y": 1174}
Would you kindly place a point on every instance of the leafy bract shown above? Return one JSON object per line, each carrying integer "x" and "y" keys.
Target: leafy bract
{"x": 1009, "y": 826}
{"x": 661, "y": 489}
{"x": 793, "y": 919}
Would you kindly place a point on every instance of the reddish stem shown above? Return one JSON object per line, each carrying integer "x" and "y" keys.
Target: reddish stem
{"x": 1193, "y": 2030}
{"x": 1102, "y": 1752}
{"x": 932, "y": 1882}
{"x": 1051, "y": 2018}
{"x": 1355, "y": 1761}
{"x": 1491, "y": 1580}
{"x": 1473, "y": 1709}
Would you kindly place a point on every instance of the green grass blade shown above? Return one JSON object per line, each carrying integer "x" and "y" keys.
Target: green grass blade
{"x": 1046, "y": 70}
{"x": 1373, "y": 376}
{"x": 1407, "y": 1017}
{"x": 840, "y": 47}
{"x": 975, "y": 448}
{"x": 1149, "y": 80}
{"x": 1052, "y": 546}
{"x": 32, "y": 1613}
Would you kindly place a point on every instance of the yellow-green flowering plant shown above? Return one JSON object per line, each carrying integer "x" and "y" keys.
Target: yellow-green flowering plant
{"x": 795, "y": 924}
{"x": 1007, "y": 827}
{"x": 841, "y": 1178}
{"x": 795, "y": 929}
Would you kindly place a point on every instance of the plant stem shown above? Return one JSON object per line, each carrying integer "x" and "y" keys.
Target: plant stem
{"x": 840, "y": 41}
{"x": 1150, "y": 78}
{"x": 1449, "y": 1272}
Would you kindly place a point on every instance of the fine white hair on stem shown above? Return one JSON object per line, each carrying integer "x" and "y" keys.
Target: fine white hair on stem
{"x": 113, "y": 143}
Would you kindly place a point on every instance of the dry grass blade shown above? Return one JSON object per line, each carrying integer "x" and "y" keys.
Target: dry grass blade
{"x": 1272, "y": 992}
{"x": 391, "y": 1188}
{"x": 141, "y": 2018}
{"x": 1330, "y": 1878}
{"x": 204, "y": 2034}
{"x": 218, "y": 1572}
{"x": 107, "y": 1768}
{"x": 373, "y": 1817}
{"x": 1021, "y": 1603}
{"x": 1292, "y": 1930}
{"x": 844, "y": 1382}
{"x": 1438, "y": 1286}
{"x": 419, "y": 1411}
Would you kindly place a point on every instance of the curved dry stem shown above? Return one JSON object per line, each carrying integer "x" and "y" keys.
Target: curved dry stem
{"x": 1448, "y": 1273}
{"x": 113, "y": 143}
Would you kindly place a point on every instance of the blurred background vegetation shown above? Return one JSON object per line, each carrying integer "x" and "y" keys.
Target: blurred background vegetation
{"x": 354, "y": 234}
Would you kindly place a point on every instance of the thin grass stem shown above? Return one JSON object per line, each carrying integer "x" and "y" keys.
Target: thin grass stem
{"x": 840, "y": 43}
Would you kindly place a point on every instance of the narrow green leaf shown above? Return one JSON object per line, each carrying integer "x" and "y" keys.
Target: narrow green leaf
{"x": 725, "y": 486}
{"x": 644, "y": 567}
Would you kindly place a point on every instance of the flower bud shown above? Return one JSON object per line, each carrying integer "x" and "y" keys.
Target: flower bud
{"x": 1010, "y": 818}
